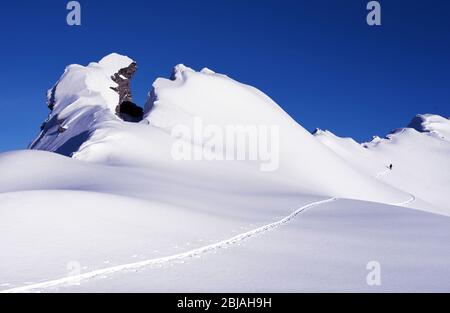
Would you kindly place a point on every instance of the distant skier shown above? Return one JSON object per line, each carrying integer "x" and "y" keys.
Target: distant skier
{"x": 390, "y": 167}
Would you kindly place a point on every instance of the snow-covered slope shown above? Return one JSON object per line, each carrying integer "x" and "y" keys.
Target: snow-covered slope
{"x": 115, "y": 198}
{"x": 419, "y": 153}
{"x": 94, "y": 242}
{"x": 79, "y": 101}
{"x": 94, "y": 133}
{"x": 434, "y": 124}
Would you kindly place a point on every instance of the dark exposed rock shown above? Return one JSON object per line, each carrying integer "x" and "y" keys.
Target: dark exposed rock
{"x": 126, "y": 109}
{"x": 123, "y": 79}
{"x": 130, "y": 112}
{"x": 51, "y": 98}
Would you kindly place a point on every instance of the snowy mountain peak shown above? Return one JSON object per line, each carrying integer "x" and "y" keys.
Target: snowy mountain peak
{"x": 327, "y": 136}
{"x": 86, "y": 125}
{"x": 178, "y": 70}
{"x": 431, "y": 123}
{"x": 318, "y": 132}
{"x": 82, "y": 98}
{"x": 206, "y": 70}
{"x": 324, "y": 132}
{"x": 422, "y": 124}
{"x": 418, "y": 153}
{"x": 113, "y": 62}
{"x": 376, "y": 139}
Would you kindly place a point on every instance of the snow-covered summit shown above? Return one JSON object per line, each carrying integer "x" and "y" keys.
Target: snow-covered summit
{"x": 431, "y": 123}
{"x": 112, "y": 63}
{"x": 82, "y": 98}
{"x": 84, "y": 124}
{"x": 419, "y": 154}
{"x": 178, "y": 70}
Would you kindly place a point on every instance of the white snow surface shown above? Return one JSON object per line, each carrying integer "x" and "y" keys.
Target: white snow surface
{"x": 112, "y": 210}
{"x": 420, "y": 155}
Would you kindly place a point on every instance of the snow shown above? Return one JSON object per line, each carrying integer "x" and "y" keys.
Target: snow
{"x": 83, "y": 97}
{"x": 112, "y": 63}
{"x": 113, "y": 200}
{"x": 420, "y": 159}
{"x": 327, "y": 249}
{"x": 434, "y": 124}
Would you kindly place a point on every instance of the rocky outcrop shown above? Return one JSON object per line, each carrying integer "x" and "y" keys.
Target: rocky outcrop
{"x": 82, "y": 99}
{"x": 126, "y": 109}
{"x": 130, "y": 112}
{"x": 51, "y": 98}
{"x": 123, "y": 81}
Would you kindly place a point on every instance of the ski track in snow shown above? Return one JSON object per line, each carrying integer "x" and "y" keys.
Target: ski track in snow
{"x": 411, "y": 199}
{"x": 76, "y": 279}
{"x": 383, "y": 173}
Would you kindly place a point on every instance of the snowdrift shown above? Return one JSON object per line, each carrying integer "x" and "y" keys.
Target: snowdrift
{"x": 85, "y": 110}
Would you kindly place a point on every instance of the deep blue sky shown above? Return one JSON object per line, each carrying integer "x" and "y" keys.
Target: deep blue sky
{"x": 318, "y": 59}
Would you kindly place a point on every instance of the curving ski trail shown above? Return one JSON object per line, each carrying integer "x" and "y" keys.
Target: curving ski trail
{"x": 383, "y": 173}
{"x": 409, "y": 201}
{"x": 76, "y": 279}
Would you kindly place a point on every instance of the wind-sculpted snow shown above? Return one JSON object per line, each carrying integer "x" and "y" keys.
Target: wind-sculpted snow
{"x": 93, "y": 133}
{"x": 81, "y": 99}
{"x": 433, "y": 124}
{"x": 77, "y": 279}
{"x": 104, "y": 196}
{"x": 325, "y": 238}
